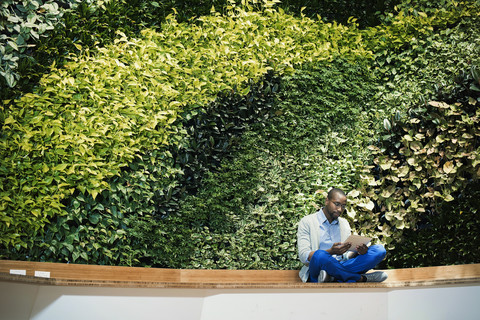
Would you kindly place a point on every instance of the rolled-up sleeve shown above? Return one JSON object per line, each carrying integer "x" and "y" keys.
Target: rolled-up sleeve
{"x": 303, "y": 241}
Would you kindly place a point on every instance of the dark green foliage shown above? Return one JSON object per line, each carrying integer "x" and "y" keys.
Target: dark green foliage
{"x": 245, "y": 214}
{"x": 366, "y": 11}
{"x": 451, "y": 236}
{"x": 437, "y": 145}
{"x": 216, "y": 129}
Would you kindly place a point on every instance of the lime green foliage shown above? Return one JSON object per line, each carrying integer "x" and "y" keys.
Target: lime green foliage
{"x": 88, "y": 120}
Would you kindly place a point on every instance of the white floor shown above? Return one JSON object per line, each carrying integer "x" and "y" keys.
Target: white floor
{"x": 25, "y": 302}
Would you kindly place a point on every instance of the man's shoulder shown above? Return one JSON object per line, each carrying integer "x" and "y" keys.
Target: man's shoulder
{"x": 343, "y": 221}
{"x": 313, "y": 218}
{"x": 309, "y": 217}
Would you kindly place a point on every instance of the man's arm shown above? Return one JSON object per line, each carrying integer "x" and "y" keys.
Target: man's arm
{"x": 337, "y": 248}
{"x": 305, "y": 247}
{"x": 305, "y": 250}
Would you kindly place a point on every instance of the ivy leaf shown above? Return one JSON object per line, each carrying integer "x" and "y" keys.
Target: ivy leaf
{"x": 448, "y": 167}
{"x": 448, "y": 198}
{"x": 94, "y": 218}
{"x": 370, "y": 205}
{"x": 387, "y": 125}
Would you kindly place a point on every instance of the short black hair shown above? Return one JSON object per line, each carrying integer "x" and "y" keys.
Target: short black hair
{"x": 334, "y": 191}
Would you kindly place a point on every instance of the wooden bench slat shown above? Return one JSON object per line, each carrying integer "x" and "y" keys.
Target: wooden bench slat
{"x": 112, "y": 276}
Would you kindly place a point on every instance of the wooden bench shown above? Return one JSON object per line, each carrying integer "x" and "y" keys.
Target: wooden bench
{"x": 57, "y": 291}
{"x": 63, "y": 274}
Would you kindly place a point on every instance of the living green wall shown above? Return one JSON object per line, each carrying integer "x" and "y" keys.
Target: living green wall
{"x": 200, "y": 145}
{"x": 89, "y": 119}
{"x": 36, "y": 33}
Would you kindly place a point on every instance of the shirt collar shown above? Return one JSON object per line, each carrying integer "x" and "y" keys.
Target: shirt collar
{"x": 323, "y": 219}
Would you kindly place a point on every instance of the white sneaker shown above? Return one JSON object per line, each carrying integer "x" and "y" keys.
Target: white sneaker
{"x": 377, "y": 276}
{"x": 324, "y": 277}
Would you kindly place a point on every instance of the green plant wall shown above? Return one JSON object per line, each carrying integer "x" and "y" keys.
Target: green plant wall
{"x": 201, "y": 144}
{"x": 424, "y": 160}
{"x": 89, "y": 119}
{"x": 22, "y": 25}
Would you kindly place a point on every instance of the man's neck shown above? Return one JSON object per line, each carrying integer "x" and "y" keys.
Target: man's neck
{"x": 328, "y": 216}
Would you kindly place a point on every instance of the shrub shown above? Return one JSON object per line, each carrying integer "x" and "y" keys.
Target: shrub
{"x": 151, "y": 196}
{"x": 22, "y": 24}
{"x": 424, "y": 160}
{"x": 450, "y": 236}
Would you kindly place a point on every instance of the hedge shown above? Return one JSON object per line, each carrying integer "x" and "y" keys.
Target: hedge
{"x": 89, "y": 119}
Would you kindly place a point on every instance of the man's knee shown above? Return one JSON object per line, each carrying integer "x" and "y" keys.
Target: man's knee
{"x": 378, "y": 251}
{"x": 320, "y": 257}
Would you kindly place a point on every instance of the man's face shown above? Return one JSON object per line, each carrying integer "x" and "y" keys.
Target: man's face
{"x": 334, "y": 206}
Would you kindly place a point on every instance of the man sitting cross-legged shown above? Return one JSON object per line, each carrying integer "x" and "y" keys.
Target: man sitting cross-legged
{"x": 325, "y": 255}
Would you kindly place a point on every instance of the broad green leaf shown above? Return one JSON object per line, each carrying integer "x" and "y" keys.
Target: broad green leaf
{"x": 94, "y": 218}
{"x": 448, "y": 167}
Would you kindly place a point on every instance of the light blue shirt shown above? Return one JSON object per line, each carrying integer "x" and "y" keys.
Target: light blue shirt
{"x": 330, "y": 233}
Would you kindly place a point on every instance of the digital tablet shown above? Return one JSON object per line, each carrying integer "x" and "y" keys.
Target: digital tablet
{"x": 357, "y": 241}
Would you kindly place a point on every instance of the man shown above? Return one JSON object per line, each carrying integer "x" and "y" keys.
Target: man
{"x": 322, "y": 250}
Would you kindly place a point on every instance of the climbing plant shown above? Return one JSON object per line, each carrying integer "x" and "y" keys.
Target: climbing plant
{"x": 423, "y": 160}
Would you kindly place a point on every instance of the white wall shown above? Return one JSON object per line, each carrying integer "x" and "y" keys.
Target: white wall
{"x": 439, "y": 303}
{"x": 25, "y": 302}
{"x": 16, "y": 300}
{"x": 90, "y": 303}
{"x": 338, "y": 304}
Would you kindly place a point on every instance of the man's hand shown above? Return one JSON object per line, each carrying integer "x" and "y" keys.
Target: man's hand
{"x": 339, "y": 248}
{"x": 362, "y": 249}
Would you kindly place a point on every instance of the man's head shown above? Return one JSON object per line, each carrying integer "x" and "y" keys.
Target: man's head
{"x": 334, "y": 204}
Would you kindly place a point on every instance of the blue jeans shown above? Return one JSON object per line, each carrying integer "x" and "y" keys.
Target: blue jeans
{"x": 345, "y": 271}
